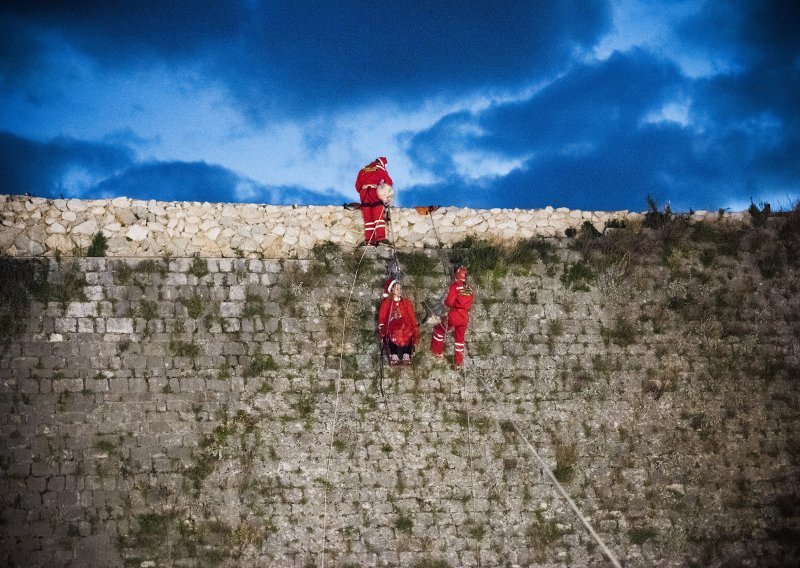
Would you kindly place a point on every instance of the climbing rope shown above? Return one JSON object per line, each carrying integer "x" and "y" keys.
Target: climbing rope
{"x": 488, "y": 388}
{"x": 465, "y": 406}
{"x": 394, "y": 245}
{"x": 445, "y": 262}
{"x": 339, "y": 378}
{"x": 560, "y": 488}
{"x": 336, "y": 408}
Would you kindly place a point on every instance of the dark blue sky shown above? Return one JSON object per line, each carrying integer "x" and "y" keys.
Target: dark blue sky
{"x": 579, "y": 103}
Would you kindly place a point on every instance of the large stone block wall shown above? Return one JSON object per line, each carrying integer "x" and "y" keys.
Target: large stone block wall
{"x": 227, "y": 412}
{"x": 35, "y": 226}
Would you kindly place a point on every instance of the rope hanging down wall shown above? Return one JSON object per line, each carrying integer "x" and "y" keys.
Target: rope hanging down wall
{"x": 545, "y": 469}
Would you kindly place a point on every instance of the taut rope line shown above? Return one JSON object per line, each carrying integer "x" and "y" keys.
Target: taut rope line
{"x": 445, "y": 263}
{"x": 336, "y": 408}
{"x": 549, "y": 474}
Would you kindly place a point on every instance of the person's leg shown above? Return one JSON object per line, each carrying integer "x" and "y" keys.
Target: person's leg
{"x": 437, "y": 339}
{"x": 369, "y": 197}
{"x": 379, "y": 221}
{"x": 459, "y": 335}
{"x": 394, "y": 353}
{"x": 405, "y": 354}
{"x": 369, "y": 222}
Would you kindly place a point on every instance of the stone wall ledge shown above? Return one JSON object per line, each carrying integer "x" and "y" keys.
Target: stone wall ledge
{"x": 33, "y": 226}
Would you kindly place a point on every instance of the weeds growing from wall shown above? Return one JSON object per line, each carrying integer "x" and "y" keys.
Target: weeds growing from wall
{"x": 541, "y": 533}
{"x": 483, "y": 259}
{"x": 22, "y": 281}
{"x": 566, "y": 458}
{"x": 404, "y": 523}
{"x": 640, "y": 535}
{"x": 123, "y": 272}
{"x": 577, "y": 277}
{"x": 418, "y": 264}
{"x": 655, "y": 219}
{"x": 429, "y": 562}
{"x": 555, "y": 327}
{"x": 759, "y": 215}
{"x": 199, "y": 267}
{"x": 180, "y": 348}
{"x": 67, "y": 285}
{"x": 622, "y": 332}
{"x": 98, "y": 246}
{"x": 150, "y": 266}
{"x": 260, "y": 364}
{"x": 254, "y": 307}
{"x": 488, "y": 262}
{"x": 147, "y": 310}
{"x": 327, "y": 254}
{"x": 527, "y": 252}
{"x": 195, "y": 305}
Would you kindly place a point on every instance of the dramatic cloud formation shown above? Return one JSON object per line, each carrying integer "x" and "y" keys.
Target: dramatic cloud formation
{"x": 589, "y": 105}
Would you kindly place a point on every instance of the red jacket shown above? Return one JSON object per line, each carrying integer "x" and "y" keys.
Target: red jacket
{"x": 368, "y": 179}
{"x": 397, "y": 321}
{"x": 459, "y": 299}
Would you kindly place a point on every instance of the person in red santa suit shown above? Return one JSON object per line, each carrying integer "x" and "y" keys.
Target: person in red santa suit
{"x": 459, "y": 300}
{"x": 374, "y": 188}
{"x": 397, "y": 324}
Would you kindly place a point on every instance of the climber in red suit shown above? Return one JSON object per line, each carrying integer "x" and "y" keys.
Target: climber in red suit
{"x": 369, "y": 178}
{"x": 459, "y": 300}
{"x": 397, "y": 324}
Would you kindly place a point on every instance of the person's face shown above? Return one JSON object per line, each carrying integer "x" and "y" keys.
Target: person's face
{"x": 397, "y": 290}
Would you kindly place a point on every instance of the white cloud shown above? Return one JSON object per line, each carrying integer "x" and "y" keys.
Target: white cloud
{"x": 246, "y": 190}
{"x": 476, "y": 165}
{"x": 649, "y": 24}
{"x": 77, "y": 181}
{"x": 675, "y": 111}
{"x": 780, "y": 199}
{"x": 169, "y": 114}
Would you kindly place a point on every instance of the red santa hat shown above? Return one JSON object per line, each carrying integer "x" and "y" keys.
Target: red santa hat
{"x": 382, "y": 161}
{"x": 387, "y": 287}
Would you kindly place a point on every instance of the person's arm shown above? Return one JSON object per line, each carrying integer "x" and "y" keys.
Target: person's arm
{"x": 452, "y": 296}
{"x": 383, "y": 317}
{"x": 412, "y": 318}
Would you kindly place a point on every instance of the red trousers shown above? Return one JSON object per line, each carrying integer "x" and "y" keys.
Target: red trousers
{"x": 372, "y": 210}
{"x": 438, "y": 338}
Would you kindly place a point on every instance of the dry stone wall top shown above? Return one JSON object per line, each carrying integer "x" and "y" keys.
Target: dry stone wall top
{"x": 134, "y": 228}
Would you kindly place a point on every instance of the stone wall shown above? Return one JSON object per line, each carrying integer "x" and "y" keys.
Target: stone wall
{"x": 35, "y": 226}
{"x": 227, "y": 412}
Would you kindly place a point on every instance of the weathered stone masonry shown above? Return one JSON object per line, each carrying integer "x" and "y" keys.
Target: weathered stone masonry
{"x": 35, "y": 226}
{"x": 178, "y": 412}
